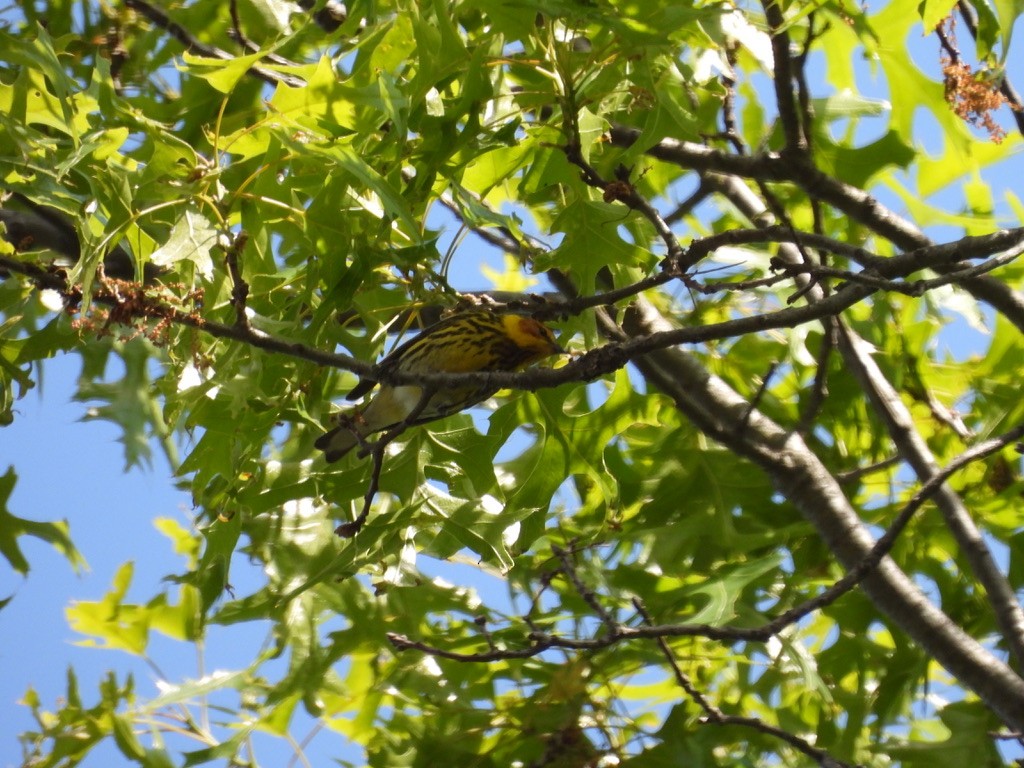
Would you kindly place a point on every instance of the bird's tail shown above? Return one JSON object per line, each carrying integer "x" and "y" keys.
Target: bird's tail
{"x": 388, "y": 408}
{"x": 337, "y": 442}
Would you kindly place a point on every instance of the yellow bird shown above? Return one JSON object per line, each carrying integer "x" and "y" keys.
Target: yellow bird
{"x": 476, "y": 340}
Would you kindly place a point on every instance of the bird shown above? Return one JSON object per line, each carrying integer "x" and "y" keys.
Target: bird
{"x": 473, "y": 340}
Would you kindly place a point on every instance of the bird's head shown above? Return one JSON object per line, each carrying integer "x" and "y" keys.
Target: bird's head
{"x": 532, "y": 336}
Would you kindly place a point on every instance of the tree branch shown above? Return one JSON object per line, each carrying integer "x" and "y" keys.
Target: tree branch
{"x": 716, "y": 716}
{"x": 594, "y": 363}
{"x": 856, "y": 203}
{"x": 911, "y": 446}
{"x": 789, "y": 116}
{"x": 192, "y": 43}
{"x": 617, "y": 632}
{"x": 798, "y": 474}
{"x": 144, "y": 303}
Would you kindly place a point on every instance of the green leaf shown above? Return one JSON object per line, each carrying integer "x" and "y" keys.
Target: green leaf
{"x": 395, "y": 207}
{"x": 467, "y": 525}
{"x": 12, "y": 528}
{"x": 214, "y": 565}
{"x": 225, "y": 750}
{"x": 591, "y": 242}
{"x": 222, "y": 74}
{"x": 192, "y": 239}
{"x": 192, "y": 690}
{"x": 112, "y": 623}
{"x": 129, "y": 403}
{"x": 126, "y": 740}
{"x": 1009, "y": 12}
{"x": 968, "y": 728}
{"x": 726, "y": 589}
{"x": 933, "y": 12}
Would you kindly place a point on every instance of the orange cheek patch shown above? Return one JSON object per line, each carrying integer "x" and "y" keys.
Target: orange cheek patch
{"x": 530, "y": 327}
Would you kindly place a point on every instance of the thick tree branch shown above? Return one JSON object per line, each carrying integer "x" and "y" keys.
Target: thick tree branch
{"x": 911, "y": 446}
{"x": 799, "y": 475}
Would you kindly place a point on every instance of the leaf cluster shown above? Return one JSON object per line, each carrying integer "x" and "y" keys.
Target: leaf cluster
{"x": 761, "y": 381}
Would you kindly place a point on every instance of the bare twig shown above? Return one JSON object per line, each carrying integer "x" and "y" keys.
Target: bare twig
{"x": 684, "y": 208}
{"x": 729, "y": 125}
{"x": 700, "y": 249}
{"x": 150, "y": 305}
{"x": 681, "y": 677}
{"x": 715, "y": 716}
{"x": 569, "y": 569}
{"x": 854, "y": 475}
{"x": 239, "y": 288}
{"x": 236, "y": 29}
{"x": 819, "y": 389}
{"x": 756, "y": 399}
{"x": 804, "y": 96}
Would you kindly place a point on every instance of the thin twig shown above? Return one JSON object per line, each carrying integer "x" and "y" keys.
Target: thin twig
{"x": 594, "y": 363}
{"x": 729, "y": 124}
{"x": 715, "y": 716}
{"x": 681, "y": 211}
{"x": 854, "y": 475}
{"x": 569, "y": 569}
{"x": 819, "y": 389}
{"x": 192, "y": 43}
{"x": 789, "y": 115}
{"x": 756, "y": 399}
{"x": 350, "y": 529}
{"x": 681, "y": 677}
{"x": 147, "y": 304}
{"x": 621, "y": 190}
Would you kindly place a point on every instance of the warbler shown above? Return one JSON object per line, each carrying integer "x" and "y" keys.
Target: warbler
{"x": 475, "y": 340}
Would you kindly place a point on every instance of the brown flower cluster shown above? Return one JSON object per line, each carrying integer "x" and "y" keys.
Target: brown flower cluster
{"x": 973, "y": 97}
